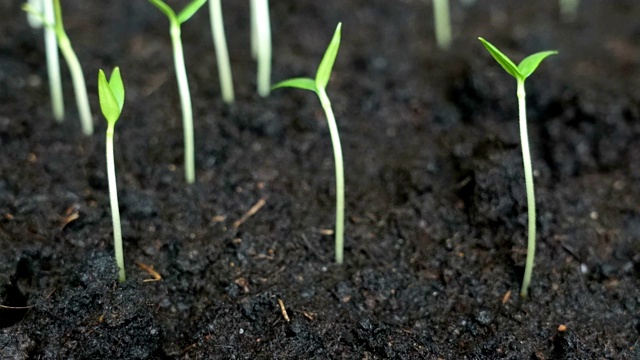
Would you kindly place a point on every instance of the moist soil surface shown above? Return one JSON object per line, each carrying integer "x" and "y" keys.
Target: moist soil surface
{"x": 436, "y": 208}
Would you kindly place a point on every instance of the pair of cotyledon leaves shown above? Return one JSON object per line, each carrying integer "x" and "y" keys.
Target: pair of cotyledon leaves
{"x": 526, "y": 67}
{"x": 111, "y": 94}
{"x": 185, "y": 14}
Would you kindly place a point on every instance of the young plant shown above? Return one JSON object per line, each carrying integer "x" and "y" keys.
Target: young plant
{"x": 77, "y": 75}
{"x": 319, "y": 85}
{"x": 442, "y": 21}
{"x": 111, "y": 95}
{"x": 175, "y": 21}
{"x": 222, "y": 54}
{"x": 261, "y": 44}
{"x": 520, "y": 73}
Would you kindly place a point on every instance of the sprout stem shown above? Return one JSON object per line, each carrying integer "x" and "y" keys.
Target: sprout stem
{"x": 115, "y": 210}
{"x": 262, "y": 31}
{"x": 442, "y": 21}
{"x": 222, "y": 54}
{"x": 77, "y": 74}
{"x": 53, "y": 62}
{"x": 337, "y": 155}
{"x": 185, "y": 100}
{"x": 528, "y": 177}
{"x": 569, "y": 9}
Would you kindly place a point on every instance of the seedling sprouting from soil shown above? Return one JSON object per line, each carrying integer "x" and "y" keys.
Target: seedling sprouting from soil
{"x": 175, "y": 21}
{"x": 442, "y": 21}
{"x": 222, "y": 54}
{"x": 111, "y": 95}
{"x": 319, "y": 86}
{"x": 77, "y": 76}
{"x": 520, "y": 73}
{"x": 261, "y": 43}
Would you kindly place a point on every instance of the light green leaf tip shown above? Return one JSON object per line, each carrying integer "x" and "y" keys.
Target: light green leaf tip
{"x": 188, "y": 11}
{"x": 117, "y": 86}
{"x": 300, "y": 83}
{"x": 529, "y": 64}
{"x": 329, "y": 58}
{"x": 502, "y": 59}
{"x": 111, "y": 94}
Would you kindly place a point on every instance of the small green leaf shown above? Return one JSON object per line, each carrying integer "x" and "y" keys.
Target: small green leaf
{"x": 108, "y": 103}
{"x": 188, "y": 11}
{"x": 117, "y": 87}
{"x": 165, "y": 9}
{"x": 326, "y": 65}
{"x": 529, "y": 64}
{"x": 300, "y": 83}
{"x": 502, "y": 59}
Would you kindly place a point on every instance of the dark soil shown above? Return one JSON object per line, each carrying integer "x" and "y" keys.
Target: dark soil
{"x": 436, "y": 237}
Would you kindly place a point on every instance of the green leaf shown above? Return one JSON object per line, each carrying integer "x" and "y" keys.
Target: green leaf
{"x": 188, "y": 11}
{"x": 502, "y": 59}
{"x": 108, "y": 103}
{"x": 326, "y": 65}
{"x": 300, "y": 83}
{"x": 117, "y": 87}
{"x": 165, "y": 9}
{"x": 531, "y": 62}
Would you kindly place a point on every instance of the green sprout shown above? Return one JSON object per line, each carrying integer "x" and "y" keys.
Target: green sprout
{"x": 77, "y": 76}
{"x": 261, "y": 44}
{"x": 222, "y": 54}
{"x": 175, "y": 20}
{"x": 111, "y": 95}
{"x": 569, "y": 9}
{"x": 319, "y": 86}
{"x": 442, "y": 21}
{"x": 520, "y": 73}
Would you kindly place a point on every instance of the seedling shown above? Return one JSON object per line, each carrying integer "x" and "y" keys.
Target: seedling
{"x": 319, "y": 86}
{"x": 261, "y": 44}
{"x": 222, "y": 54}
{"x": 111, "y": 95}
{"x": 175, "y": 21}
{"x": 520, "y": 73}
{"x": 442, "y": 21}
{"x": 569, "y": 9}
{"x": 77, "y": 75}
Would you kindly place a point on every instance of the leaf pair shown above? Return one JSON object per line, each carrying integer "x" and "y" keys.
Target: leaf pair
{"x": 526, "y": 66}
{"x": 111, "y": 95}
{"x": 185, "y": 14}
{"x": 324, "y": 69}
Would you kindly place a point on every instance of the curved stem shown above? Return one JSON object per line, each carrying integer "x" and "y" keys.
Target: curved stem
{"x": 115, "y": 209}
{"x": 531, "y": 201}
{"x": 337, "y": 155}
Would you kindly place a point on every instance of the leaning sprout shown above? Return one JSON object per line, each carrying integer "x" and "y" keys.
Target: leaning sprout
{"x": 111, "y": 95}
{"x": 319, "y": 85}
{"x": 175, "y": 20}
{"x": 520, "y": 73}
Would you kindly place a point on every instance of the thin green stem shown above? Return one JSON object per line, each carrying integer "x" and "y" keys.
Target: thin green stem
{"x": 263, "y": 46}
{"x": 115, "y": 209}
{"x": 442, "y": 21}
{"x": 222, "y": 54}
{"x": 77, "y": 75}
{"x": 337, "y": 155}
{"x": 185, "y": 100}
{"x": 531, "y": 201}
{"x": 53, "y": 62}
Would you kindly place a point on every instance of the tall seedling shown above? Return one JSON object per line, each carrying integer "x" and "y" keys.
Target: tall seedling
{"x": 222, "y": 54}
{"x": 520, "y": 73}
{"x": 261, "y": 44}
{"x": 175, "y": 21}
{"x": 319, "y": 85}
{"x": 111, "y": 95}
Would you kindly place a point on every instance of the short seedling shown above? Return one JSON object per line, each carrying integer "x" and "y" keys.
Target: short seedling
{"x": 319, "y": 86}
{"x": 222, "y": 54}
{"x": 175, "y": 21}
{"x": 520, "y": 73}
{"x": 442, "y": 21}
{"x": 111, "y": 95}
{"x": 261, "y": 43}
{"x": 77, "y": 75}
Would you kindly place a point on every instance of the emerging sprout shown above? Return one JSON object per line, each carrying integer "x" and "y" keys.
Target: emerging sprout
{"x": 520, "y": 73}
{"x": 442, "y": 21}
{"x": 77, "y": 75}
{"x": 319, "y": 86}
{"x": 222, "y": 54}
{"x": 261, "y": 44}
{"x": 569, "y": 9}
{"x": 175, "y": 20}
{"x": 111, "y": 95}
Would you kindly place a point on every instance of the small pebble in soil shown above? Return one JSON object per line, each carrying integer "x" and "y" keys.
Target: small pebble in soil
{"x": 584, "y": 269}
{"x": 241, "y": 331}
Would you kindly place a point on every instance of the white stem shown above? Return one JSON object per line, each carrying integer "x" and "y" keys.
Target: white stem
{"x": 79, "y": 87}
{"x": 222, "y": 54}
{"x": 33, "y": 19}
{"x": 263, "y": 30}
{"x": 442, "y": 21}
{"x": 337, "y": 156}
{"x": 185, "y": 100}
{"x": 254, "y": 28}
{"x": 53, "y": 62}
{"x": 115, "y": 209}
{"x": 531, "y": 201}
